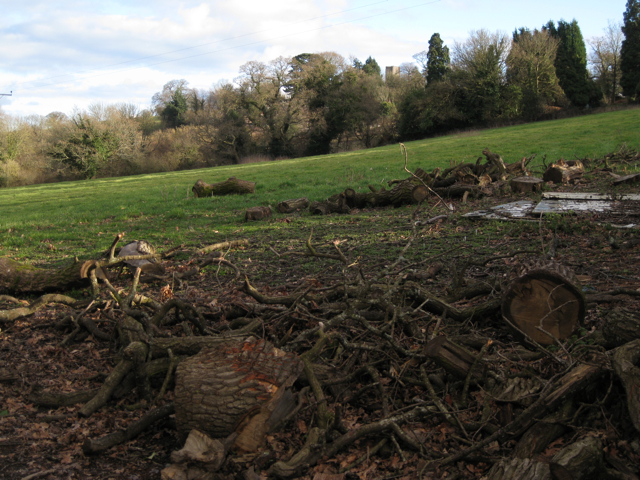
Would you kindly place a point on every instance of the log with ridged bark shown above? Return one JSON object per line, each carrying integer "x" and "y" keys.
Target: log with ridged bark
{"x": 543, "y": 301}
{"x": 230, "y": 186}
{"x": 293, "y": 205}
{"x": 16, "y": 277}
{"x": 241, "y": 388}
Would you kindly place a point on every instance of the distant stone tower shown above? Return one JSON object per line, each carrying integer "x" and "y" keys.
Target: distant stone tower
{"x": 388, "y": 71}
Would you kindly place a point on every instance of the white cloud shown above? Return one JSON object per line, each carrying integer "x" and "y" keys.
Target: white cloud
{"x": 114, "y": 51}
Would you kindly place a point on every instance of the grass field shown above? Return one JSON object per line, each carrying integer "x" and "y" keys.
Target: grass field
{"x": 55, "y": 221}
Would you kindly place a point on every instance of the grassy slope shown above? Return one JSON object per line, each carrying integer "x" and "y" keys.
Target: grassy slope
{"x": 76, "y": 218}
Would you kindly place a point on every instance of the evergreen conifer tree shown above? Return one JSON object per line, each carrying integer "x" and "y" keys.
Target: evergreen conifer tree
{"x": 630, "y": 51}
{"x": 437, "y": 59}
{"x": 571, "y": 64}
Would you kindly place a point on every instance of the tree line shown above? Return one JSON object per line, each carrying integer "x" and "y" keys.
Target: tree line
{"x": 317, "y": 103}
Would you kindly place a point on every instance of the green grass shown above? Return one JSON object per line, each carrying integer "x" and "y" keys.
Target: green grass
{"x": 54, "y": 221}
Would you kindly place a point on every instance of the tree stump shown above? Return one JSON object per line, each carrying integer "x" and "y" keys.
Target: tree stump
{"x": 230, "y": 186}
{"x": 241, "y": 388}
{"x": 290, "y": 206}
{"x": 526, "y": 184}
{"x": 563, "y": 171}
{"x": 257, "y": 213}
{"x": 544, "y": 301}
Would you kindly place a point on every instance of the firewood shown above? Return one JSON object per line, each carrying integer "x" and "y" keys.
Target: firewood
{"x": 563, "y": 171}
{"x": 526, "y": 184}
{"x": 543, "y": 301}
{"x": 257, "y": 213}
{"x": 240, "y": 388}
{"x": 230, "y": 186}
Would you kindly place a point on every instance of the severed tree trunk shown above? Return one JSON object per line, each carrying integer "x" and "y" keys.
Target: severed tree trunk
{"x": 228, "y": 187}
{"x": 563, "y": 171}
{"x": 241, "y": 388}
{"x": 290, "y": 206}
{"x": 622, "y": 326}
{"x": 335, "y": 204}
{"x": 625, "y": 362}
{"x": 257, "y": 213}
{"x": 526, "y": 184}
{"x": 519, "y": 469}
{"x": 16, "y": 277}
{"x": 453, "y": 358}
{"x": 403, "y": 192}
{"x": 582, "y": 459}
{"x": 544, "y": 301}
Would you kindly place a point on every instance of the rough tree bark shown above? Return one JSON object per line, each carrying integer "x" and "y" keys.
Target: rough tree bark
{"x": 241, "y": 388}
{"x": 228, "y": 187}
{"x": 563, "y": 171}
{"x": 16, "y": 277}
{"x": 290, "y": 206}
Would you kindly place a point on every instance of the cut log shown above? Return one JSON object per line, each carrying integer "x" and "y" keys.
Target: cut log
{"x": 563, "y": 171}
{"x": 544, "y": 301}
{"x": 519, "y": 469}
{"x": 230, "y": 186}
{"x": 290, "y": 206}
{"x": 16, "y": 277}
{"x": 622, "y": 326}
{"x": 334, "y": 204}
{"x": 257, "y": 213}
{"x": 633, "y": 178}
{"x": 453, "y": 358}
{"x": 242, "y": 388}
{"x": 580, "y": 460}
{"x": 498, "y": 170}
{"x": 625, "y": 362}
{"x": 536, "y": 439}
{"x": 526, "y": 184}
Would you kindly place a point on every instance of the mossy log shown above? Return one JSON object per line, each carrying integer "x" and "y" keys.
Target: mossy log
{"x": 290, "y": 206}
{"x": 241, "y": 388}
{"x": 563, "y": 171}
{"x": 543, "y": 301}
{"x": 16, "y": 277}
{"x": 404, "y": 192}
{"x": 334, "y": 204}
{"x": 230, "y": 186}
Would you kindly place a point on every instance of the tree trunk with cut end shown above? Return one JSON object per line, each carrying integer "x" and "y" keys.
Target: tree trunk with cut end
{"x": 622, "y": 326}
{"x": 519, "y": 469}
{"x": 563, "y": 171}
{"x": 257, "y": 213}
{"x": 453, "y": 358}
{"x": 544, "y": 301}
{"x": 230, "y": 186}
{"x": 241, "y": 388}
{"x": 290, "y": 206}
{"x": 582, "y": 459}
{"x": 334, "y": 204}
{"x": 403, "y": 192}
{"x": 526, "y": 184}
{"x": 624, "y": 364}
{"x": 16, "y": 277}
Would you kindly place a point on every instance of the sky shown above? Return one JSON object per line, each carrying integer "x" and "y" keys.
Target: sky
{"x": 57, "y": 56}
